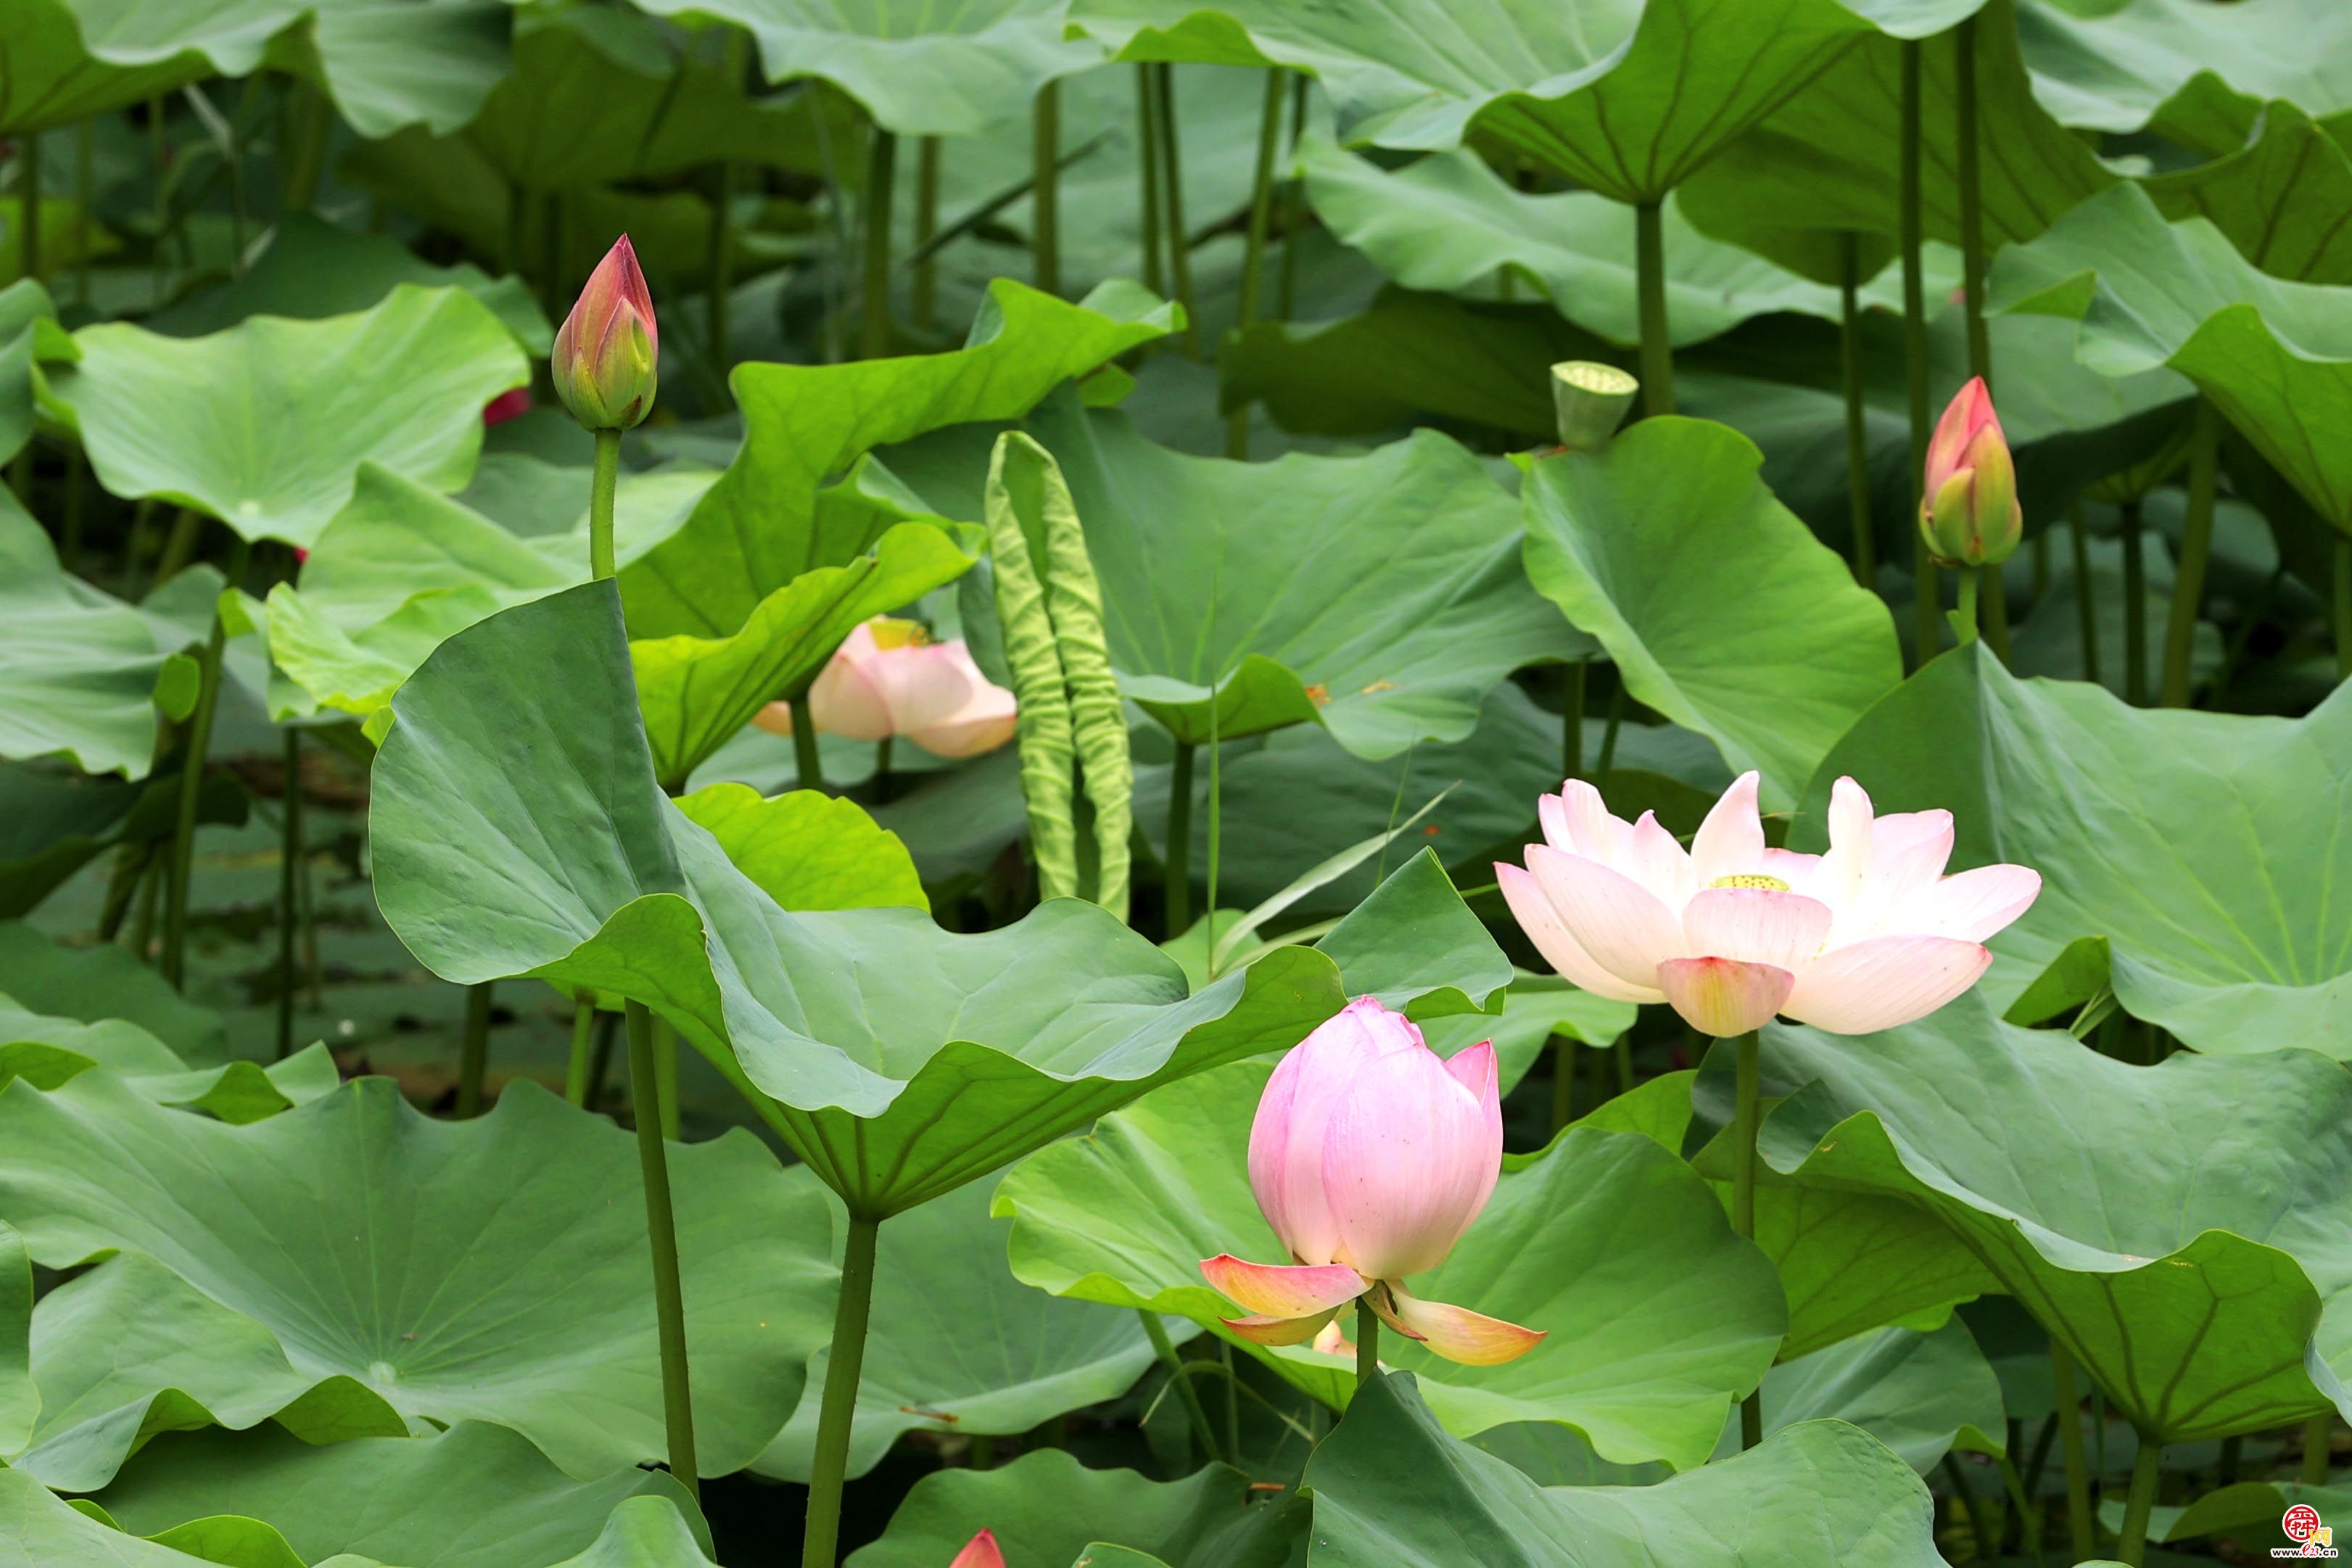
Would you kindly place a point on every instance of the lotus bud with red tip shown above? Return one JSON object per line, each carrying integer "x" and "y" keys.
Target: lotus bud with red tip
{"x": 980, "y": 1551}
{"x": 607, "y": 350}
{"x": 1969, "y": 510}
{"x": 1370, "y": 1155}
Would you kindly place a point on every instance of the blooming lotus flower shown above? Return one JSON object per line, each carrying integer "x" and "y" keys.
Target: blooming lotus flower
{"x": 889, "y": 678}
{"x": 1870, "y": 935}
{"x": 1967, "y": 511}
{"x": 980, "y": 1551}
{"x": 1370, "y": 1157}
{"x": 608, "y": 349}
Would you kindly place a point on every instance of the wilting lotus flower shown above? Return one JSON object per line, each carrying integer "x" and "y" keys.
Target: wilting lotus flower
{"x": 980, "y": 1551}
{"x": 1969, "y": 511}
{"x": 1369, "y": 1157}
{"x": 889, "y": 678}
{"x": 608, "y": 349}
{"x": 1868, "y": 936}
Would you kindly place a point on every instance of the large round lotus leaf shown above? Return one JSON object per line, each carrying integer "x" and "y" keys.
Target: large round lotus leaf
{"x": 48, "y": 1051}
{"x": 265, "y": 425}
{"x": 43, "y": 1531}
{"x": 1921, "y": 1395}
{"x": 770, "y": 518}
{"x": 78, "y": 670}
{"x": 2183, "y": 1257}
{"x": 1719, "y": 607}
{"x": 1393, "y": 1489}
{"x": 54, "y": 81}
{"x": 492, "y": 1270}
{"x": 1379, "y": 594}
{"x": 957, "y": 1345}
{"x": 920, "y": 70}
{"x": 2185, "y": 72}
{"x": 1046, "y": 1507}
{"x": 1658, "y": 1316}
{"x": 476, "y": 1496}
{"x": 96, "y": 984}
{"x": 2188, "y": 858}
{"x": 1605, "y": 94}
{"x": 898, "y": 1059}
{"x": 27, "y": 322}
{"x": 2274, "y": 197}
{"x": 2275, "y": 356}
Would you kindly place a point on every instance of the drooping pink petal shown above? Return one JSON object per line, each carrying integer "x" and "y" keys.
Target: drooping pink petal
{"x": 1260, "y": 1331}
{"x": 1626, "y": 928}
{"x": 1410, "y": 1159}
{"x": 1286, "y": 1159}
{"x": 1756, "y": 925}
{"x": 1971, "y": 905}
{"x": 1544, "y": 927}
{"x": 1457, "y": 1333}
{"x": 1883, "y": 980}
{"x": 1730, "y": 842}
{"x": 980, "y": 1551}
{"x": 1722, "y": 996}
{"x": 1281, "y": 1290}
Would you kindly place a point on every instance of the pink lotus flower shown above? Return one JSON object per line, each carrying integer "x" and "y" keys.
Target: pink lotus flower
{"x": 1868, "y": 936}
{"x": 980, "y": 1551}
{"x": 607, "y": 353}
{"x": 1967, "y": 511}
{"x": 1369, "y": 1157}
{"x": 512, "y": 403}
{"x": 889, "y": 679}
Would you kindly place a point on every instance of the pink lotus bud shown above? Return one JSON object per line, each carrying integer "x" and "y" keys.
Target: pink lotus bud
{"x": 889, "y": 679}
{"x": 1967, "y": 511}
{"x": 512, "y": 403}
{"x": 607, "y": 350}
{"x": 980, "y": 1551}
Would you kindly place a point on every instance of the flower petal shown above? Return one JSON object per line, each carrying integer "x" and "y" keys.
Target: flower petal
{"x": 1722, "y": 996}
{"x": 1457, "y": 1333}
{"x": 1883, "y": 980}
{"x": 845, "y": 700}
{"x": 1626, "y": 928}
{"x": 1544, "y": 928}
{"x": 1654, "y": 860}
{"x": 1280, "y": 1331}
{"x": 1293, "y": 1115}
{"x": 1756, "y": 925}
{"x": 1971, "y": 906}
{"x": 1577, "y": 821}
{"x": 980, "y": 1551}
{"x": 1282, "y": 1290}
{"x": 1730, "y": 842}
{"x": 1410, "y": 1158}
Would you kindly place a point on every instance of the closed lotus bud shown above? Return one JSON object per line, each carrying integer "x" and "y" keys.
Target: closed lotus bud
{"x": 980, "y": 1551}
{"x": 607, "y": 351}
{"x": 1967, "y": 511}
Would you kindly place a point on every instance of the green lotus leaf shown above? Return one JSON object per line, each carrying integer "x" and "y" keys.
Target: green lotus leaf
{"x": 105, "y": 981}
{"x": 2275, "y": 356}
{"x": 1922, "y": 1394}
{"x": 28, "y": 318}
{"x": 770, "y": 518}
{"x": 47, "y": 1531}
{"x": 897, "y": 1059}
{"x": 918, "y": 70}
{"x": 1392, "y": 1487}
{"x": 54, "y": 80}
{"x": 1720, "y": 608}
{"x": 2271, "y": 197}
{"x": 1658, "y": 1316}
{"x": 645, "y": 1532}
{"x": 499, "y": 1274}
{"x": 265, "y": 425}
{"x": 2186, "y": 1274}
{"x": 2200, "y": 846}
{"x": 1047, "y": 1507}
{"x": 1380, "y": 595}
{"x": 2236, "y": 1509}
{"x": 20, "y": 1397}
{"x": 1604, "y": 97}
{"x": 47, "y": 1052}
{"x": 806, "y": 849}
{"x": 54, "y": 821}
{"x": 476, "y": 1496}
{"x": 957, "y": 1345}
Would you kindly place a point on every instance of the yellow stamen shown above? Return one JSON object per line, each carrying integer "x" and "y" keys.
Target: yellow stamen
{"x": 1751, "y": 880}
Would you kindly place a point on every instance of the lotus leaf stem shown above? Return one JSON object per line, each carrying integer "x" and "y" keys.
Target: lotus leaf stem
{"x": 1269, "y": 136}
{"x": 1186, "y": 1394}
{"x": 1650, "y": 294}
{"x": 1858, "y": 437}
{"x": 1746, "y": 1071}
{"x": 874, "y": 318}
{"x": 2131, "y": 1544}
{"x": 2070, "y": 1443}
{"x": 830, "y": 1463}
{"x": 1368, "y": 1339}
{"x": 1929, "y": 594}
{"x": 192, "y": 784}
{"x": 669, "y": 1300}
{"x": 584, "y": 1029}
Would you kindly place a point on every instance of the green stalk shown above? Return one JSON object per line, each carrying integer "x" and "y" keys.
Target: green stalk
{"x": 2131, "y": 1544}
{"x": 28, "y": 197}
{"x": 2316, "y": 1434}
{"x": 1180, "y": 242}
{"x": 1623, "y": 1052}
{"x": 474, "y": 1055}
{"x": 2135, "y": 606}
{"x": 1180, "y": 843}
{"x": 1994, "y": 609}
{"x": 1294, "y": 204}
{"x": 1607, "y": 765}
{"x": 600, "y": 1061}
{"x": 142, "y": 926}
{"x": 1571, "y": 721}
{"x": 2070, "y": 1444}
{"x": 1045, "y": 187}
{"x": 2196, "y": 548}
{"x": 1563, "y": 1083}
{"x": 1216, "y": 821}
{"x": 924, "y": 291}
{"x": 2344, "y": 606}
{"x": 661, "y": 1230}
{"x": 179, "y": 545}
{"x": 191, "y": 780}
{"x": 130, "y": 864}
{"x": 1966, "y": 619}
{"x": 2086, "y": 611}
{"x": 885, "y": 784}
{"x": 831, "y": 1460}
{"x": 1915, "y": 349}
{"x": 1971, "y": 183}
{"x": 2233, "y": 1454}
{"x": 290, "y": 862}
{"x": 1233, "y": 1401}
{"x": 981, "y": 1453}
{"x": 722, "y": 235}
{"x": 1368, "y": 1339}
{"x": 665, "y": 1075}
{"x": 583, "y": 1027}
{"x": 1269, "y": 132}
{"x": 1857, "y": 439}
{"x": 163, "y": 214}
{"x": 804, "y": 751}
{"x": 1186, "y": 1394}
{"x": 1747, "y": 1072}
{"x": 602, "y": 483}
{"x": 874, "y": 322}
{"x": 1147, "y": 118}
{"x": 85, "y": 191}
{"x": 1964, "y": 1498}
{"x": 1650, "y": 288}
{"x": 311, "y": 122}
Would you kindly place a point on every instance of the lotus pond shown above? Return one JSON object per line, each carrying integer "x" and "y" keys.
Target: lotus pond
{"x": 1175, "y": 783}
